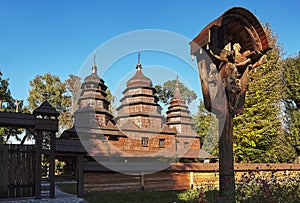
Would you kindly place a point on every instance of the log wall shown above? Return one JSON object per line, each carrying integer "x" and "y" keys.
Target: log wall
{"x": 178, "y": 176}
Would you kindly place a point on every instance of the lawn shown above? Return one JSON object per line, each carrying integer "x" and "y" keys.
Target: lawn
{"x": 190, "y": 196}
{"x": 253, "y": 188}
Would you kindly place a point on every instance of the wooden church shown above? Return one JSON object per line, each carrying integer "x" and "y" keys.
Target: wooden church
{"x": 138, "y": 131}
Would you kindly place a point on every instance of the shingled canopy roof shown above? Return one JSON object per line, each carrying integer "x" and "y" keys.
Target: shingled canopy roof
{"x": 238, "y": 22}
{"x": 46, "y": 109}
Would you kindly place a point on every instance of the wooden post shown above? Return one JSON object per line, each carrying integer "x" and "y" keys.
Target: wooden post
{"x": 80, "y": 176}
{"x": 226, "y": 162}
{"x": 191, "y": 180}
{"x": 38, "y": 171}
{"x": 52, "y": 165}
{"x": 142, "y": 181}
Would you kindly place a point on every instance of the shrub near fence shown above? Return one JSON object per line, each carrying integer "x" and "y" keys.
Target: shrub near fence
{"x": 179, "y": 176}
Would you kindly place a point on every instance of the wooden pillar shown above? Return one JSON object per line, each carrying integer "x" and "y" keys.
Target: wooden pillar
{"x": 191, "y": 180}
{"x": 52, "y": 165}
{"x": 38, "y": 171}
{"x": 80, "y": 176}
{"x": 142, "y": 181}
{"x": 226, "y": 162}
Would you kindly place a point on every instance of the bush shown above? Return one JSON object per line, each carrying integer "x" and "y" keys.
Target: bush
{"x": 259, "y": 188}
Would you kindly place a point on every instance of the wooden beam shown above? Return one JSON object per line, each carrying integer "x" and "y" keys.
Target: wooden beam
{"x": 226, "y": 165}
{"x": 16, "y": 120}
{"x": 38, "y": 171}
{"x": 80, "y": 176}
{"x": 52, "y": 165}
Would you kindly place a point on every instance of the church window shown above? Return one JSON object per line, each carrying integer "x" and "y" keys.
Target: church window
{"x": 161, "y": 143}
{"x": 145, "y": 141}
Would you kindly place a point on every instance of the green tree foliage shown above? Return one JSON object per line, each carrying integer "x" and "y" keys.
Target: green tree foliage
{"x": 111, "y": 98}
{"x": 6, "y": 100}
{"x": 166, "y": 92}
{"x": 206, "y": 126}
{"x": 291, "y": 78}
{"x": 258, "y": 132}
{"x": 8, "y": 104}
{"x": 49, "y": 87}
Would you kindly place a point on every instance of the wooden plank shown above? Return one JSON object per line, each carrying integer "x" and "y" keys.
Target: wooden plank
{"x": 33, "y": 172}
{"x": 80, "y": 175}
{"x": 38, "y": 171}
{"x": 2, "y": 165}
{"x": 52, "y": 163}
{"x": 5, "y": 170}
{"x": 25, "y": 171}
{"x": 11, "y": 172}
{"x": 29, "y": 170}
{"x": 113, "y": 187}
{"x": 24, "y": 174}
{"x": 18, "y": 170}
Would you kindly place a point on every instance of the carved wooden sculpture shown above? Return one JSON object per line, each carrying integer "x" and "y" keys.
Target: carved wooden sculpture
{"x": 226, "y": 50}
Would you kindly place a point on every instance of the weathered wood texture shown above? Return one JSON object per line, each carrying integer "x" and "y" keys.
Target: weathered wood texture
{"x": 17, "y": 171}
{"x": 112, "y": 181}
{"x": 178, "y": 176}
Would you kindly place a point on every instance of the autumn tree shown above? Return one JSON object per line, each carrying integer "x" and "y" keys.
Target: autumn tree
{"x": 259, "y": 132}
{"x": 166, "y": 91}
{"x": 291, "y": 78}
{"x": 51, "y": 88}
{"x": 73, "y": 84}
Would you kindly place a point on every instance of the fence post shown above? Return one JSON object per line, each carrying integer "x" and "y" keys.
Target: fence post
{"x": 191, "y": 180}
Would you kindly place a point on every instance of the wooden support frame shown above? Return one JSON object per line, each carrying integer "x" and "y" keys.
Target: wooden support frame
{"x": 43, "y": 119}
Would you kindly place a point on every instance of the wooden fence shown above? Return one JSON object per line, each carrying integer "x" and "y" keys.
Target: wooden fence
{"x": 178, "y": 176}
{"x": 17, "y": 171}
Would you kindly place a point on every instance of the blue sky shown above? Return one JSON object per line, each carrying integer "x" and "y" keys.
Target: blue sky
{"x": 60, "y": 36}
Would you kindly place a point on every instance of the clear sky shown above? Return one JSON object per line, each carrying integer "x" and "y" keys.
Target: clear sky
{"x": 59, "y": 36}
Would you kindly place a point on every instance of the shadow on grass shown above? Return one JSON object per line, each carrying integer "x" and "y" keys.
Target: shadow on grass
{"x": 142, "y": 197}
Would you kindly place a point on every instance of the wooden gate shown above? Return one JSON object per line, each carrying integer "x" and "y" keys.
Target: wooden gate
{"x": 17, "y": 171}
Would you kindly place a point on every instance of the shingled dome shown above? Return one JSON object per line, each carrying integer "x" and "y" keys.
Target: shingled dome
{"x": 94, "y": 77}
{"x": 139, "y": 79}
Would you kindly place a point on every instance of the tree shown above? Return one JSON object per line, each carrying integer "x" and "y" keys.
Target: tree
{"x": 73, "y": 84}
{"x": 166, "y": 92}
{"x": 6, "y": 100}
{"x": 111, "y": 98}
{"x": 8, "y": 104}
{"x": 291, "y": 78}
{"x": 206, "y": 126}
{"x": 49, "y": 87}
{"x": 258, "y": 132}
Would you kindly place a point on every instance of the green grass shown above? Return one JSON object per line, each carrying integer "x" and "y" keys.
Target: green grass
{"x": 68, "y": 188}
{"x": 253, "y": 187}
{"x": 189, "y": 196}
{"x": 184, "y": 196}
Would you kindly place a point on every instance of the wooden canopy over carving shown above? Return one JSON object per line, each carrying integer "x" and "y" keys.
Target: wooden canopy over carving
{"x": 237, "y": 24}
{"x": 240, "y": 36}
